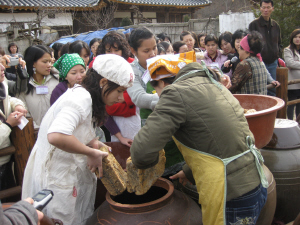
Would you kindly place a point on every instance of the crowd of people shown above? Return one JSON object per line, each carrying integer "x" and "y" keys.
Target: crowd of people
{"x": 81, "y": 95}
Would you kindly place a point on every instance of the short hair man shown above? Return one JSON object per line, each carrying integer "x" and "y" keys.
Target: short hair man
{"x": 270, "y": 31}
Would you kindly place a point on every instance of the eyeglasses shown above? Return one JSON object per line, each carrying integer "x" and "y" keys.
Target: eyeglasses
{"x": 266, "y": 7}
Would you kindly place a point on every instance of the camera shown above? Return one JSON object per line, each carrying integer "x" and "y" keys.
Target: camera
{"x": 13, "y": 61}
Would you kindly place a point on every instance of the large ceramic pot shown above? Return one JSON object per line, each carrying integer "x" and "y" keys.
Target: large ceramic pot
{"x": 261, "y": 123}
{"x": 282, "y": 157}
{"x": 160, "y": 205}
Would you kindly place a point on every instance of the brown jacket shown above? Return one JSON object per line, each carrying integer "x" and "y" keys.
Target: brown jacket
{"x": 270, "y": 31}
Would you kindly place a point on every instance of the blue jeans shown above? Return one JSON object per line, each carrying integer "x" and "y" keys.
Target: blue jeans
{"x": 246, "y": 208}
{"x": 272, "y": 70}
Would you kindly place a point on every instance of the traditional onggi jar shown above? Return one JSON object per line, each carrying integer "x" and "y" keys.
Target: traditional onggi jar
{"x": 282, "y": 157}
{"x": 160, "y": 205}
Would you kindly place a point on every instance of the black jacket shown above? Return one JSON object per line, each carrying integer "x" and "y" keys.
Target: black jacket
{"x": 270, "y": 31}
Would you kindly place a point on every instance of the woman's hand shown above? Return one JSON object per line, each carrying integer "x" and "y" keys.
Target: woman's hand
{"x": 123, "y": 140}
{"x": 225, "y": 80}
{"x": 227, "y": 63}
{"x": 181, "y": 176}
{"x": 14, "y": 119}
{"x": 275, "y": 83}
{"x": 22, "y": 63}
{"x": 21, "y": 109}
{"x": 94, "y": 161}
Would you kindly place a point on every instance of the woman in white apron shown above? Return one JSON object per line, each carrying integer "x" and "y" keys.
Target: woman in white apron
{"x": 65, "y": 155}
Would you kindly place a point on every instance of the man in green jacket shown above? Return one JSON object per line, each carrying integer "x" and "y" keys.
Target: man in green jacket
{"x": 211, "y": 131}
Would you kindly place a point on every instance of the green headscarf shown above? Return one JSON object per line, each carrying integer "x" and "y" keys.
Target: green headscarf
{"x": 67, "y": 62}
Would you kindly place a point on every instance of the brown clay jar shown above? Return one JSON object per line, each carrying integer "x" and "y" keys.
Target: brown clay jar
{"x": 162, "y": 205}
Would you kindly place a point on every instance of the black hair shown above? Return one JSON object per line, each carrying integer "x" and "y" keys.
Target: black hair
{"x": 77, "y": 46}
{"x": 177, "y": 45}
{"x": 94, "y": 40}
{"x": 138, "y": 35}
{"x": 64, "y": 49}
{"x": 57, "y": 47}
{"x": 292, "y": 45}
{"x": 160, "y": 49}
{"x": 32, "y": 55}
{"x": 226, "y": 36}
{"x": 113, "y": 38}
{"x": 167, "y": 80}
{"x": 211, "y": 37}
{"x": 267, "y": 1}
{"x": 184, "y": 33}
{"x": 162, "y": 35}
{"x": 194, "y": 35}
{"x": 238, "y": 34}
{"x": 91, "y": 84}
{"x": 255, "y": 42}
{"x": 166, "y": 45}
{"x": 12, "y": 44}
{"x": 169, "y": 38}
{"x": 199, "y": 37}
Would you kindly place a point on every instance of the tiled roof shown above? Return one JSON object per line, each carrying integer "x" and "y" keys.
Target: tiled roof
{"x": 175, "y": 3}
{"x": 49, "y": 3}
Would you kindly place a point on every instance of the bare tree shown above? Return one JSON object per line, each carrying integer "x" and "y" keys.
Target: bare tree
{"x": 100, "y": 19}
{"x": 139, "y": 15}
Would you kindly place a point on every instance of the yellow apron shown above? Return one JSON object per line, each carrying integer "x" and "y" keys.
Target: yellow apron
{"x": 210, "y": 176}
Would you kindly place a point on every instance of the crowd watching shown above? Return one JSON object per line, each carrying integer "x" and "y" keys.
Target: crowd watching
{"x": 81, "y": 95}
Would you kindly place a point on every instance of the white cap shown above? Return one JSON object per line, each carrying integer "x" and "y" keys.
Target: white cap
{"x": 114, "y": 68}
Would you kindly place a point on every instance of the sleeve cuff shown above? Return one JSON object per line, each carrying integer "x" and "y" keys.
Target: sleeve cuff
{"x": 7, "y": 124}
{"x": 188, "y": 173}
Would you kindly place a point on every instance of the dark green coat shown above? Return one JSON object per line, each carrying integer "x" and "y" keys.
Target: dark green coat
{"x": 201, "y": 116}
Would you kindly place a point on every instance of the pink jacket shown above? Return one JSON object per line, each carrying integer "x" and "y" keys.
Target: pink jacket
{"x": 220, "y": 60}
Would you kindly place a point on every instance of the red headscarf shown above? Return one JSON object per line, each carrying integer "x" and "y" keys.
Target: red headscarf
{"x": 245, "y": 46}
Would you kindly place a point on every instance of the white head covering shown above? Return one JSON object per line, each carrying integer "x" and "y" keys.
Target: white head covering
{"x": 114, "y": 68}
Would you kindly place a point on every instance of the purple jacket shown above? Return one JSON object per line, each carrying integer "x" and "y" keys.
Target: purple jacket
{"x": 61, "y": 88}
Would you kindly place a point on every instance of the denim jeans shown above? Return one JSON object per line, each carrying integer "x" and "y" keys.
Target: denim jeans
{"x": 293, "y": 95}
{"x": 272, "y": 70}
{"x": 246, "y": 208}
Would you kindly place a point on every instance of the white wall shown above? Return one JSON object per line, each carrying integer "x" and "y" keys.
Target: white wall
{"x": 61, "y": 19}
{"x": 232, "y": 22}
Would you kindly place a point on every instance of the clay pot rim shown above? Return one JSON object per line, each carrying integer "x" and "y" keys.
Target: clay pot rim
{"x": 145, "y": 207}
{"x": 279, "y": 105}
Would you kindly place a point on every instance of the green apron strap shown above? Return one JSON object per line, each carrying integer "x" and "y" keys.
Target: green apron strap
{"x": 259, "y": 160}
